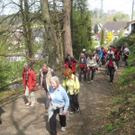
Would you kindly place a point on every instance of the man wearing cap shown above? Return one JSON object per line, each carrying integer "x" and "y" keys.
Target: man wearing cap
{"x": 29, "y": 82}
{"x": 70, "y": 63}
{"x": 85, "y": 53}
{"x": 82, "y": 66}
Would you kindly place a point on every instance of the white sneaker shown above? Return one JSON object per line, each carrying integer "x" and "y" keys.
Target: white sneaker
{"x": 88, "y": 82}
{"x": 110, "y": 83}
{"x": 27, "y": 104}
{"x": 63, "y": 129}
{"x": 32, "y": 105}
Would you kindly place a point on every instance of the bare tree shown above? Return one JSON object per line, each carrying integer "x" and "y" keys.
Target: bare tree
{"x": 67, "y": 28}
{"x": 49, "y": 31}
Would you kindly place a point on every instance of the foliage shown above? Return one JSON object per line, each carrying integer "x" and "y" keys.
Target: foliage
{"x": 110, "y": 16}
{"x": 121, "y": 33}
{"x": 102, "y": 37}
{"x": 96, "y": 29}
{"x": 110, "y": 36}
{"x": 82, "y": 31}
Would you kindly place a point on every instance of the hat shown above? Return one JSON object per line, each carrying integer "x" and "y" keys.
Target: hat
{"x": 25, "y": 65}
{"x": 84, "y": 50}
{"x": 82, "y": 54}
{"x": 68, "y": 55}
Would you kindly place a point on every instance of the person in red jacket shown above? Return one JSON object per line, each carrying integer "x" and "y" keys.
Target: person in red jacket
{"x": 29, "y": 82}
{"x": 117, "y": 57}
{"x": 112, "y": 67}
{"x": 70, "y": 63}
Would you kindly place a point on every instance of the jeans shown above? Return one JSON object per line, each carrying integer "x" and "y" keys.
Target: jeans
{"x": 111, "y": 71}
{"x": 80, "y": 73}
{"x": 53, "y": 122}
{"x": 92, "y": 76}
{"x": 30, "y": 95}
{"x": 73, "y": 102}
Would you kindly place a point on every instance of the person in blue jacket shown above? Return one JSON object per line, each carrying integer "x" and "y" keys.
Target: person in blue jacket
{"x": 100, "y": 53}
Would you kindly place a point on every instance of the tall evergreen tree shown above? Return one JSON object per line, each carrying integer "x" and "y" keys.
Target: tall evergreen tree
{"x": 102, "y": 37}
{"x": 82, "y": 31}
{"x": 96, "y": 29}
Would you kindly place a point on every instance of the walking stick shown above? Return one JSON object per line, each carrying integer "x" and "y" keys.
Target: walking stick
{"x": 80, "y": 111}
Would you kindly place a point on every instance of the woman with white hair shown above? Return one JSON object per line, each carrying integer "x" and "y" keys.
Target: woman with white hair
{"x": 59, "y": 103}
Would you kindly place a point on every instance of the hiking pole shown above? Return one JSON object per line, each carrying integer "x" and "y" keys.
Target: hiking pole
{"x": 80, "y": 110}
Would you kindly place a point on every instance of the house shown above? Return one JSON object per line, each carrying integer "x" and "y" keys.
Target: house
{"x": 131, "y": 26}
{"x": 115, "y": 27}
{"x": 18, "y": 42}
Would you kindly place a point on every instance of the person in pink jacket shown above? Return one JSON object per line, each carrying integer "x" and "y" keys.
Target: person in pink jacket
{"x": 29, "y": 82}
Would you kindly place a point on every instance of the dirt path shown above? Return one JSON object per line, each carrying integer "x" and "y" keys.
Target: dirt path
{"x": 21, "y": 120}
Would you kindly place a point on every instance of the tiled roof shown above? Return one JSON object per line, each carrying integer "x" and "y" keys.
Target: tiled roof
{"x": 115, "y": 26}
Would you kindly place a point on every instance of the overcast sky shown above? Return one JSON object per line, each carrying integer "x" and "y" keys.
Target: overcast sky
{"x": 119, "y": 5}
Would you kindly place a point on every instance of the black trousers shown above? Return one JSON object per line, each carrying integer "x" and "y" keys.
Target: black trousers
{"x": 126, "y": 61}
{"x": 92, "y": 76}
{"x": 117, "y": 63}
{"x": 80, "y": 73}
{"x": 103, "y": 60}
{"x": 73, "y": 102}
{"x": 53, "y": 122}
{"x": 107, "y": 70}
{"x": 111, "y": 71}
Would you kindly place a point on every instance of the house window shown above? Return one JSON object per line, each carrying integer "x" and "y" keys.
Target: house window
{"x": 113, "y": 30}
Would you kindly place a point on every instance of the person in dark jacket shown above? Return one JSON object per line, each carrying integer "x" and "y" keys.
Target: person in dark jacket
{"x": 117, "y": 57}
{"x": 100, "y": 53}
{"x": 104, "y": 55}
{"x": 70, "y": 63}
{"x": 112, "y": 67}
{"x": 82, "y": 66}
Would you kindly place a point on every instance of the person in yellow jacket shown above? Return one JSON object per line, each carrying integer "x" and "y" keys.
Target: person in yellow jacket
{"x": 72, "y": 84}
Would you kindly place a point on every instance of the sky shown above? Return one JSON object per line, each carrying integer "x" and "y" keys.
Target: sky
{"x": 119, "y": 5}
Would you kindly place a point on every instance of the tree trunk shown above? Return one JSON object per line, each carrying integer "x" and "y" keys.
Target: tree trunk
{"x": 59, "y": 31}
{"x": 49, "y": 32}
{"x": 66, "y": 28}
{"x": 27, "y": 31}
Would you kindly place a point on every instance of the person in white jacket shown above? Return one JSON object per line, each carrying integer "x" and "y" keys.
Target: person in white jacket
{"x": 91, "y": 65}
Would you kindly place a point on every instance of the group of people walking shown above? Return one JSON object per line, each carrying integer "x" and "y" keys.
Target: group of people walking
{"x": 60, "y": 96}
